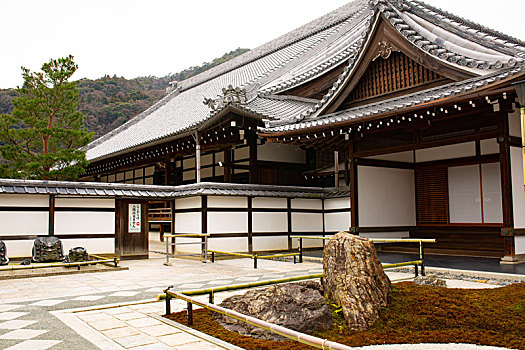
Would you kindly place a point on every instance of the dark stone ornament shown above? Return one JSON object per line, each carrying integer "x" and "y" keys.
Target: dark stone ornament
{"x": 47, "y": 249}
{"x": 78, "y": 254}
{"x": 4, "y": 260}
{"x": 299, "y": 306}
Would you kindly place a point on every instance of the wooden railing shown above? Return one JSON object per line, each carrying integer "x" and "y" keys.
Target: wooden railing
{"x": 159, "y": 215}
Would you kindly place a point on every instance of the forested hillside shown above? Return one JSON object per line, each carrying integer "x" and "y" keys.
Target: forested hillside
{"x": 110, "y": 101}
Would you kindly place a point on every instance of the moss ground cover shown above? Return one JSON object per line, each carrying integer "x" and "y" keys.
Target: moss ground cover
{"x": 415, "y": 314}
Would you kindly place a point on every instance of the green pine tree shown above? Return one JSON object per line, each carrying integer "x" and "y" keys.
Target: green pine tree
{"x": 44, "y": 136}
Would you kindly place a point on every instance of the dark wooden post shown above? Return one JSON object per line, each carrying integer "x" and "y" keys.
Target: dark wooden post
{"x": 197, "y": 157}
{"x": 190, "y": 314}
{"x": 354, "y": 209}
{"x": 227, "y": 166}
{"x": 506, "y": 187}
{"x": 253, "y": 159}
{"x": 250, "y": 224}
{"x": 51, "y": 227}
{"x": 289, "y": 221}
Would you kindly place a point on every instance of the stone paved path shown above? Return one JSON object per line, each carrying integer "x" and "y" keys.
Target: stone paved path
{"x": 114, "y": 310}
{"x": 30, "y": 308}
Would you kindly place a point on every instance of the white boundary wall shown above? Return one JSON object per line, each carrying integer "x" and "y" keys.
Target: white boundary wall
{"x": 228, "y": 216}
{"x": 26, "y": 216}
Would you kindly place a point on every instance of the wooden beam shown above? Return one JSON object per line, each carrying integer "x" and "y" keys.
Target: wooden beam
{"x": 386, "y": 163}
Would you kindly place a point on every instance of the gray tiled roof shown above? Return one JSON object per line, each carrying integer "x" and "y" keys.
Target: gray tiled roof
{"x": 336, "y": 39}
{"x": 97, "y": 189}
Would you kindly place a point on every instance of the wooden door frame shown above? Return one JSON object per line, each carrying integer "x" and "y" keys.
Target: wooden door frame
{"x": 121, "y": 226}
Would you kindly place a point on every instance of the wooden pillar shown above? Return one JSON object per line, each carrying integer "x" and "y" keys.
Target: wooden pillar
{"x": 227, "y": 166}
{"x": 289, "y": 221}
{"x": 51, "y": 227}
{"x": 204, "y": 217}
{"x": 166, "y": 172}
{"x": 250, "y": 224}
{"x": 172, "y": 224}
{"x": 522, "y": 119}
{"x": 354, "y": 207}
{"x": 253, "y": 159}
{"x": 506, "y": 183}
{"x": 197, "y": 157}
{"x": 506, "y": 188}
{"x": 336, "y": 169}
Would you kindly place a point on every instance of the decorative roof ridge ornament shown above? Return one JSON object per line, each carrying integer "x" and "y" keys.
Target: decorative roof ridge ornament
{"x": 384, "y": 51}
{"x": 229, "y": 95}
{"x": 398, "y": 4}
{"x": 174, "y": 86}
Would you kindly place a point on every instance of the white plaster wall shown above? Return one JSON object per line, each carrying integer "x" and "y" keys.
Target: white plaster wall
{"x": 337, "y": 221}
{"x": 93, "y": 245}
{"x": 227, "y": 222}
{"x": 84, "y": 222}
{"x": 270, "y": 243}
{"x": 194, "y": 248}
{"x": 15, "y": 223}
{"x": 309, "y": 243}
{"x": 19, "y": 249}
{"x": 307, "y": 222}
{"x": 386, "y": 197}
{"x": 489, "y": 146}
{"x": 302, "y": 203}
{"x": 263, "y": 202}
{"x": 459, "y": 150}
{"x": 227, "y": 202}
{"x": 229, "y": 244}
{"x": 188, "y": 203}
{"x": 276, "y": 152}
{"x": 404, "y": 234}
{"x": 515, "y": 123}
{"x": 337, "y": 203}
{"x": 519, "y": 244}
{"x": 518, "y": 194}
{"x": 407, "y": 156}
{"x": 23, "y": 200}
{"x": 188, "y": 223}
{"x": 270, "y": 222}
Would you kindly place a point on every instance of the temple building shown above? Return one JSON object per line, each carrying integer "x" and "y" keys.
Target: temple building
{"x": 387, "y": 118}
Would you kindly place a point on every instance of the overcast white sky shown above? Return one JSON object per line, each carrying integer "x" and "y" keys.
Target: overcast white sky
{"x": 133, "y": 38}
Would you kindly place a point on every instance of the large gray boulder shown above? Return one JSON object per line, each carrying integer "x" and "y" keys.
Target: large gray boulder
{"x": 354, "y": 278}
{"x": 299, "y": 306}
